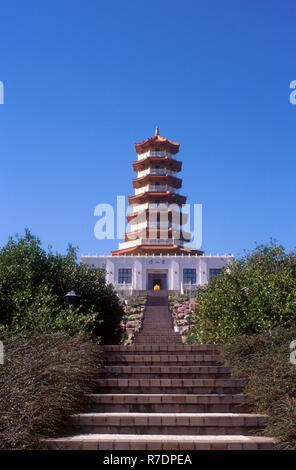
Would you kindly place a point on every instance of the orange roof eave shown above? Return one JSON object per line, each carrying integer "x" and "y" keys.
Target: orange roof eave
{"x": 177, "y": 249}
{"x": 151, "y": 194}
{"x": 166, "y": 160}
{"x": 171, "y": 180}
{"x": 156, "y": 140}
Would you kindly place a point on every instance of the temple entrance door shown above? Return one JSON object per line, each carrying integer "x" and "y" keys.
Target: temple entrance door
{"x": 157, "y": 278}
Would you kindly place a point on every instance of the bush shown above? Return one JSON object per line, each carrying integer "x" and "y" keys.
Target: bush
{"x": 44, "y": 379}
{"x": 33, "y": 284}
{"x": 263, "y": 361}
{"x": 254, "y": 294}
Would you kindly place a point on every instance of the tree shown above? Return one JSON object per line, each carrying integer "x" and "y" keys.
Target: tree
{"x": 33, "y": 283}
{"x": 255, "y": 293}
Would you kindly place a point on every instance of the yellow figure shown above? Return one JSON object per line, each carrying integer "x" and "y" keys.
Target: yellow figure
{"x": 156, "y": 287}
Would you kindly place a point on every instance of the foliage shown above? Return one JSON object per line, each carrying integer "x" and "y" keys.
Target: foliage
{"x": 254, "y": 294}
{"x": 43, "y": 379}
{"x": 33, "y": 284}
{"x": 263, "y": 361}
{"x": 134, "y": 308}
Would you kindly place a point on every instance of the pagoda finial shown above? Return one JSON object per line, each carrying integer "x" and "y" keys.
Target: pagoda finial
{"x": 157, "y": 130}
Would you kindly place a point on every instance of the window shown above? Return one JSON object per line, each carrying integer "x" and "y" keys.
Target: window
{"x": 124, "y": 276}
{"x": 189, "y": 276}
{"x": 157, "y": 150}
{"x": 213, "y": 272}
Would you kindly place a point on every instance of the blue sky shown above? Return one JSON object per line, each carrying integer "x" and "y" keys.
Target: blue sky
{"x": 85, "y": 80}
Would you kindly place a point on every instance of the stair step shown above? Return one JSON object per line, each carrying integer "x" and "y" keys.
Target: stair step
{"x": 160, "y": 338}
{"x": 157, "y": 341}
{"x": 163, "y": 359}
{"x": 168, "y": 423}
{"x": 158, "y": 442}
{"x": 159, "y": 333}
{"x": 185, "y": 372}
{"x": 171, "y": 385}
{"x": 169, "y": 403}
{"x": 118, "y": 382}
{"x": 153, "y": 340}
{"x": 163, "y": 347}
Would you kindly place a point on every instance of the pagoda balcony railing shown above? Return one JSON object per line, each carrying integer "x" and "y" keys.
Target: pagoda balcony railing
{"x": 151, "y": 241}
{"x": 161, "y": 225}
{"x": 152, "y": 188}
{"x": 151, "y": 223}
{"x": 164, "y": 187}
{"x": 152, "y": 153}
{"x": 155, "y": 225}
{"x": 160, "y": 171}
{"x": 161, "y": 241}
{"x": 147, "y": 205}
{"x": 156, "y": 154}
{"x": 156, "y": 171}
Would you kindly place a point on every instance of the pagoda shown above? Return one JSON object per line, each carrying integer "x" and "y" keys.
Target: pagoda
{"x": 157, "y": 215}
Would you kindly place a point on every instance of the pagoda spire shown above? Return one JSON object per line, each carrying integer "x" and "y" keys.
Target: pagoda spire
{"x": 157, "y": 130}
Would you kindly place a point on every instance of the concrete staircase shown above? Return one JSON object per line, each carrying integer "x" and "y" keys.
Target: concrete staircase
{"x": 158, "y": 324}
{"x": 159, "y": 394}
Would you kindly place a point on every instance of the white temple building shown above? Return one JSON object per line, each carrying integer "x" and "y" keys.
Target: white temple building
{"x": 156, "y": 250}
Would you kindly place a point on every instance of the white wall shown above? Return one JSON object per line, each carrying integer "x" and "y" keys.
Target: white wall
{"x": 173, "y": 264}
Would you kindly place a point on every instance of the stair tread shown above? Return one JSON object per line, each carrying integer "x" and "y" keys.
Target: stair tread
{"x": 168, "y": 369}
{"x": 161, "y": 437}
{"x": 175, "y": 415}
{"x": 167, "y": 395}
{"x": 176, "y": 382}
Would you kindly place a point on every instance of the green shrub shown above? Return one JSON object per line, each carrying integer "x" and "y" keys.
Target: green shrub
{"x": 256, "y": 293}
{"x": 43, "y": 314}
{"x": 263, "y": 361}
{"x": 43, "y": 380}
{"x": 33, "y": 284}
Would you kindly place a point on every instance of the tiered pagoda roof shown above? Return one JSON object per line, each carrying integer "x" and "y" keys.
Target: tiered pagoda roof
{"x": 152, "y": 178}
{"x": 162, "y": 162}
{"x": 157, "y": 141}
{"x": 157, "y": 195}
